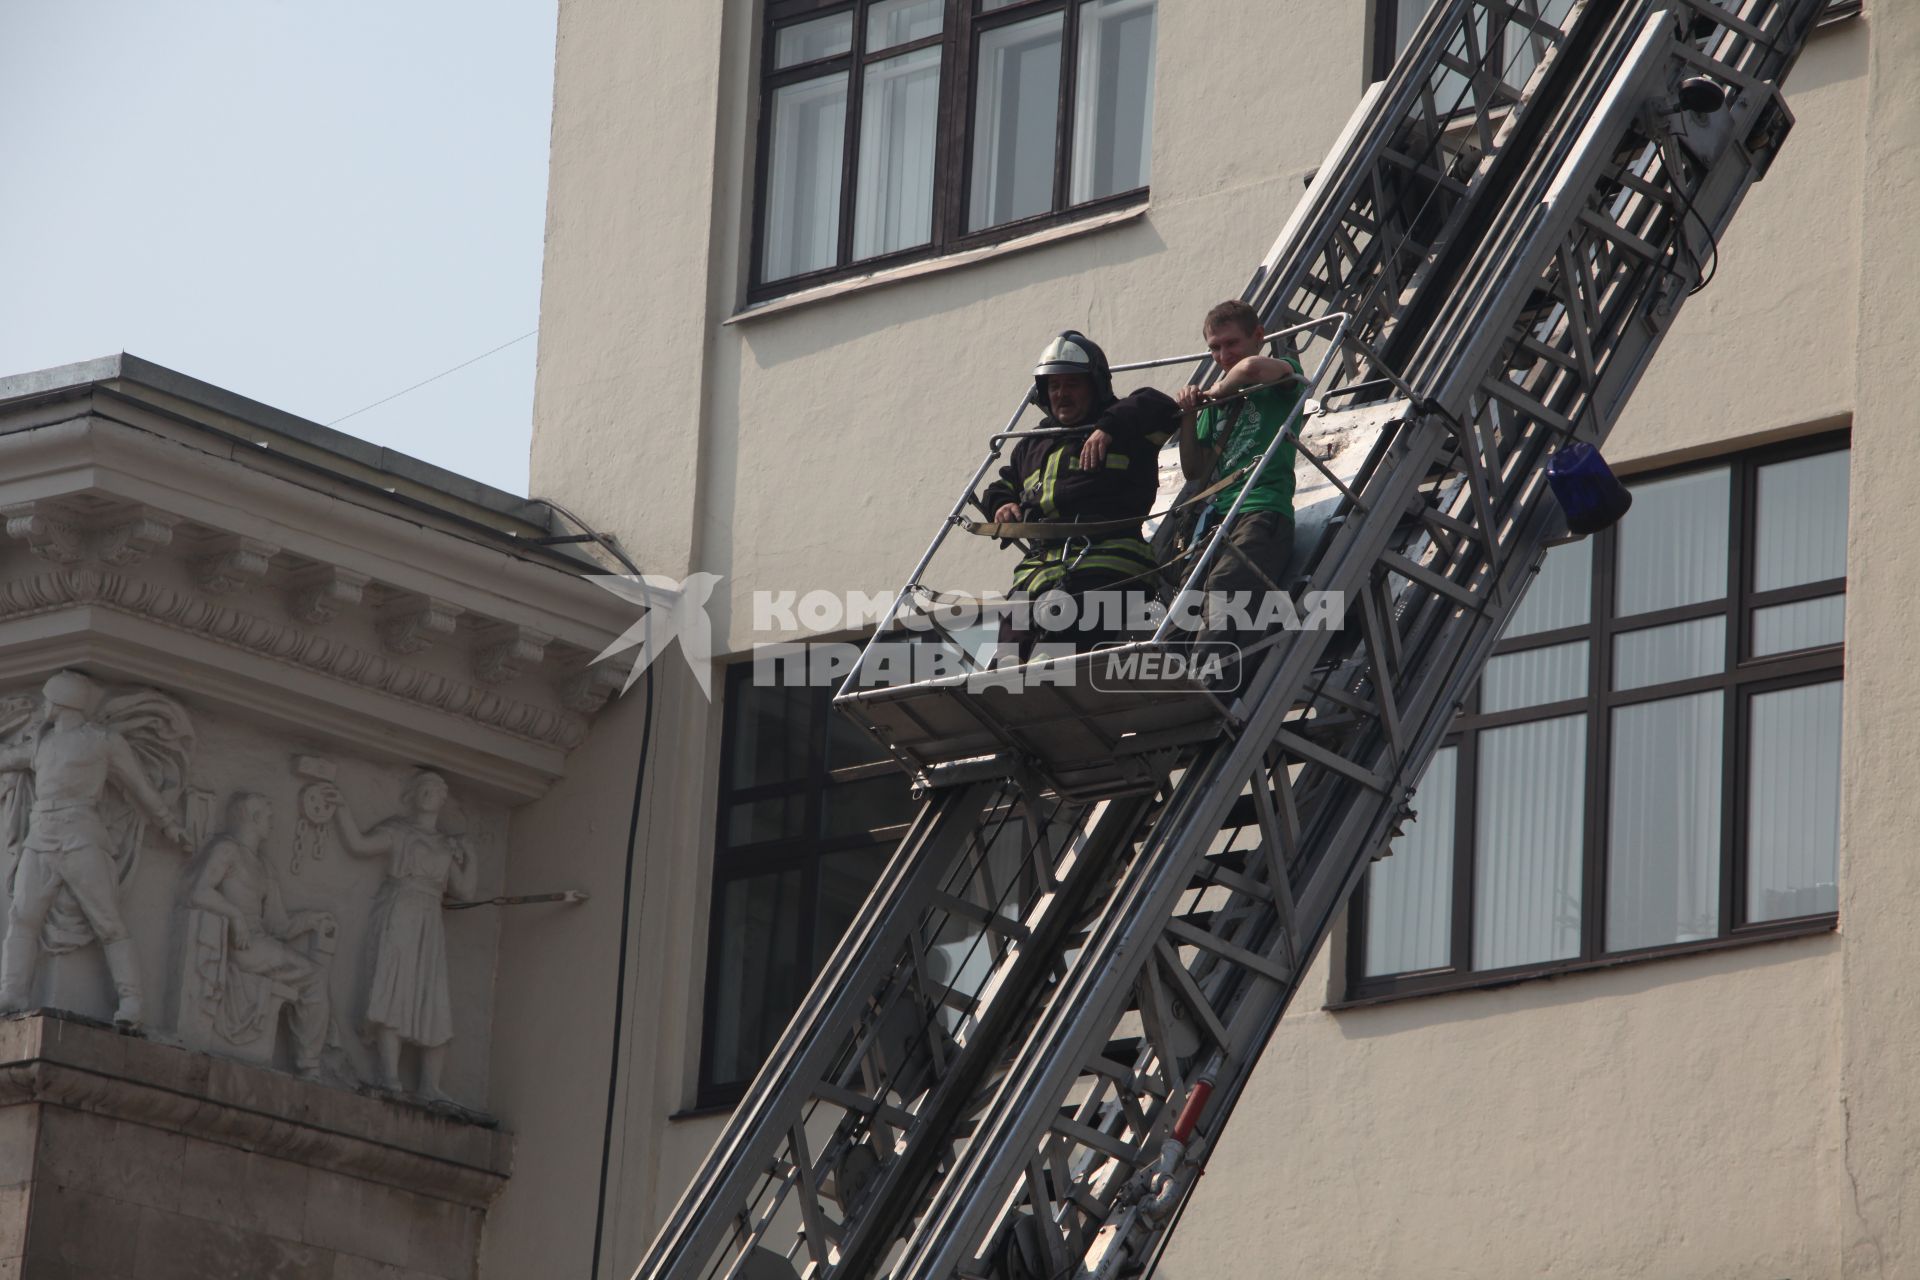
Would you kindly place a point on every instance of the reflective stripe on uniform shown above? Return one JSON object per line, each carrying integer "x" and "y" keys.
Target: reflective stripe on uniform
{"x": 1047, "y": 565}
{"x": 1049, "y": 477}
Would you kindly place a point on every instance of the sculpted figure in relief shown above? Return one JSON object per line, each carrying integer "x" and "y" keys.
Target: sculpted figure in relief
{"x": 247, "y": 958}
{"x": 408, "y": 999}
{"x": 76, "y": 839}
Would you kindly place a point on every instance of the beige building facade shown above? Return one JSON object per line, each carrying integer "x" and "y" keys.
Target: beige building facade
{"x": 1618, "y": 1092}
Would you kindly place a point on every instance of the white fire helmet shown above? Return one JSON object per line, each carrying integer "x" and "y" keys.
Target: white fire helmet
{"x": 1073, "y": 352}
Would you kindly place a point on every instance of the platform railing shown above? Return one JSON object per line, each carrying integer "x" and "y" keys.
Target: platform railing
{"x": 1204, "y": 374}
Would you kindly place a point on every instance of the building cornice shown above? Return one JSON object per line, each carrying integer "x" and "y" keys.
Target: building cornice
{"x": 112, "y": 508}
{"x": 214, "y": 409}
{"x": 557, "y": 724}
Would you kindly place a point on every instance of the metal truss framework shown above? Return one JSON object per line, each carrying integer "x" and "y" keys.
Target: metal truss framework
{"x": 1018, "y": 1059}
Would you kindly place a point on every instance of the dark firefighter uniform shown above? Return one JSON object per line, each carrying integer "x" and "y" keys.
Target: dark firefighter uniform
{"x": 1045, "y": 479}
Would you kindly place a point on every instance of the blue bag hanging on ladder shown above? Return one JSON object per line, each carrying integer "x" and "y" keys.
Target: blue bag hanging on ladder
{"x": 1589, "y": 492}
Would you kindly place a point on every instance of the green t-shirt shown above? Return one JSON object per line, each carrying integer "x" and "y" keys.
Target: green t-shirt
{"x": 1265, "y": 413}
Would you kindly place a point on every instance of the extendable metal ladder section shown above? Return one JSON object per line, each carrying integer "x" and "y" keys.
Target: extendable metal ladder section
{"x": 1017, "y": 1060}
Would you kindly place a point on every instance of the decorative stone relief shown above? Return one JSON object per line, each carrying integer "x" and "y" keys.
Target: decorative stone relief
{"x": 200, "y": 816}
{"x": 49, "y": 531}
{"x": 318, "y": 800}
{"x": 319, "y": 594}
{"x": 409, "y": 1000}
{"x": 133, "y": 540}
{"x": 411, "y": 624}
{"x": 585, "y": 692}
{"x": 247, "y": 957}
{"x": 269, "y": 936}
{"x": 79, "y": 781}
{"x": 237, "y": 564}
{"x": 505, "y": 652}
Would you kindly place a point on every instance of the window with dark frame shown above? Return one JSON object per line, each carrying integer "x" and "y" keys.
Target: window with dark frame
{"x": 1651, "y": 762}
{"x": 892, "y": 130}
{"x": 809, "y": 811}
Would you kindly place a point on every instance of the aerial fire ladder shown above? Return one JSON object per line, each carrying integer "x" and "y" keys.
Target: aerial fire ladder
{"x": 1017, "y": 1061}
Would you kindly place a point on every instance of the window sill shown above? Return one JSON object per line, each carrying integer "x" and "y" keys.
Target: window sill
{"x": 934, "y": 266}
{"x": 703, "y": 1111}
{"x": 1494, "y": 982}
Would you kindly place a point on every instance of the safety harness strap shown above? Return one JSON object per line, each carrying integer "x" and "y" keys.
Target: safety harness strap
{"x": 1090, "y": 528}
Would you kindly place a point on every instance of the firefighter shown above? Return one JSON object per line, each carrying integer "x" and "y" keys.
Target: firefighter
{"x": 1103, "y": 473}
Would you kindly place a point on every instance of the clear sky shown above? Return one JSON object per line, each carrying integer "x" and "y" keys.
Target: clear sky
{"x": 314, "y": 203}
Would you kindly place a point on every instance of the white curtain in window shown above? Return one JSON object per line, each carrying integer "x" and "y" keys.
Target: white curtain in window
{"x": 1016, "y": 109}
{"x": 1410, "y": 893}
{"x": 892, "y": 22}
{"x": 900, "y": 106}
{"x": 1801, "y": 530}
{"x": 1534, "y": 677}
{"x": 1406, "y": 16}
{"x": 1677, "y": 651}
{"x": 1663, "y": 822}
{"x": 1673, "y": 543}
{"x": 1530, "y": 809}
{"x": 807, "y": 142}
{"x": 1113, "y": 118}
{"x": 1560, "y": 595}
{"x": 827, "y": 37}
{"x": 1804, "y": 624}
{"x": 1793, "y": 802}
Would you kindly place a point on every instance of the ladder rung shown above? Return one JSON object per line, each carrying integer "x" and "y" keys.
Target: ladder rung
{"x": 1299, "y": 746}
{"x": 1092, "y": 1138}
{"x": 1427, "y": 578}
{"x": 1505, "y": 392}
{"x": 1625, "y": 239}
{"x": 1226, "y": 950}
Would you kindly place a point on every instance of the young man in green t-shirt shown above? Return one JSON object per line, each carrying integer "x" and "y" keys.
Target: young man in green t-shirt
{"x": 1218, "y": 441}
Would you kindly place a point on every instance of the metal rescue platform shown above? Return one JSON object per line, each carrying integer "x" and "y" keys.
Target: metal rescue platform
{"x": 1094, "y": 725}
{"x": 1015, "y": 1064}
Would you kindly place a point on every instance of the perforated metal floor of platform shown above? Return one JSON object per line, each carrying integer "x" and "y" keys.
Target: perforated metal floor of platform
{"x": 1085, "y": 721}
